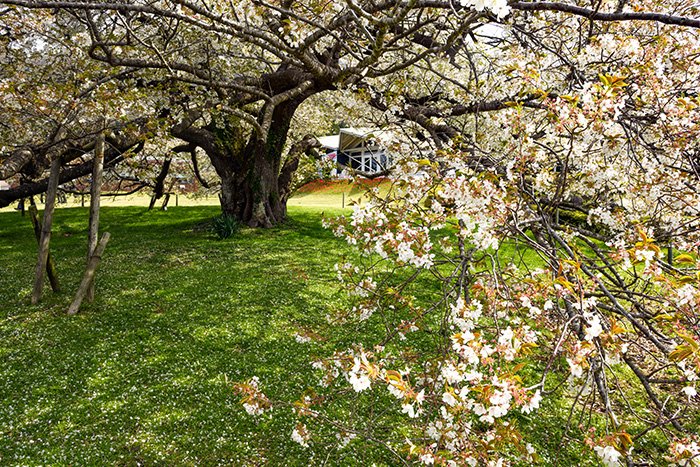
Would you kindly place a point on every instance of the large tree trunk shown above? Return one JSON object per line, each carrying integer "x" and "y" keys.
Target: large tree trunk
{"x": 249, "y": 169}
{"x": 249, "y": 182}
{"x": 251, "y": 194}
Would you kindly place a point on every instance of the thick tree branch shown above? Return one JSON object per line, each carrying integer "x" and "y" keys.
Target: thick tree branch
{"x": 600, "y": 16}
{"x": 14, "y": 163}
{"x": 112, "y": 157}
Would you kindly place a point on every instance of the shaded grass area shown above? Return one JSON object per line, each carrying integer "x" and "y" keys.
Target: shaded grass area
{"x": 143, "y": 375}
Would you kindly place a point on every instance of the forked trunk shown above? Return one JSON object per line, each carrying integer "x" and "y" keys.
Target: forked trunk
{"x": 250, "y": 189}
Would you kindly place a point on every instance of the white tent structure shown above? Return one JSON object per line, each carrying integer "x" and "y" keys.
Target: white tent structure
{"x": 357, "y": 148}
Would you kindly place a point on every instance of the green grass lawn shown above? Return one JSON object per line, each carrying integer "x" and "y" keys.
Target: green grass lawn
{"x": 325, "y": 194}
{"x": 144, "y": 374}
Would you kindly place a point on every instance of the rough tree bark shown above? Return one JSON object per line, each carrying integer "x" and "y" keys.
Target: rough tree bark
{"x": 46, "y": 230}
{"x": 95, "y": 191}
{"x": 89, "y": 276}
{"x": 14, "y": 163}
{"x": 50, "y": 265}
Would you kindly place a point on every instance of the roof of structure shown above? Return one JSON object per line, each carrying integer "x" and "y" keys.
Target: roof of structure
{"x": 347, "y": 138}
{"x": 330, "y": 142}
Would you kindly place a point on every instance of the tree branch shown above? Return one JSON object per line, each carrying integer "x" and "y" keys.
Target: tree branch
{"x": 598, "y": 16}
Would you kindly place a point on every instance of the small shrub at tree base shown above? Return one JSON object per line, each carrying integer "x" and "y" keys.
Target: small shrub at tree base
{"x": 224, "y": 226}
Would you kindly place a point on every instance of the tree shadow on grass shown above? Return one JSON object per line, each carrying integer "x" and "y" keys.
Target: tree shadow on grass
{"x": 144, "y": 374}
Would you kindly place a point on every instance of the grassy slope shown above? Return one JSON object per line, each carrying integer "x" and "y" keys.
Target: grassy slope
{"x": 328, "y": 194}
{"x": 335, "y": 193}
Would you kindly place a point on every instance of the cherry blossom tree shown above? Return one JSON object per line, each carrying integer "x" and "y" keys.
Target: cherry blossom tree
{"x": 539, "y": 242}
{"x": 231, "y": 75}
{"x": 236, "y": 73}
{"x": 538, "y": 247}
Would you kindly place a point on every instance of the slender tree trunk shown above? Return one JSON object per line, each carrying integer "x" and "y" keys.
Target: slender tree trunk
{"x": 160, "y": 183}
{"x": 50, "y": 265}
{"x": 46, "y": 230}
{"x": 95, "y": 191}
{"x": 89, "y": 276}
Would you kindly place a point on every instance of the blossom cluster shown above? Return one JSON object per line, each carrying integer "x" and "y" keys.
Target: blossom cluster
{"x": 556, "y": 238}
{"x": 254, "y": 401}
